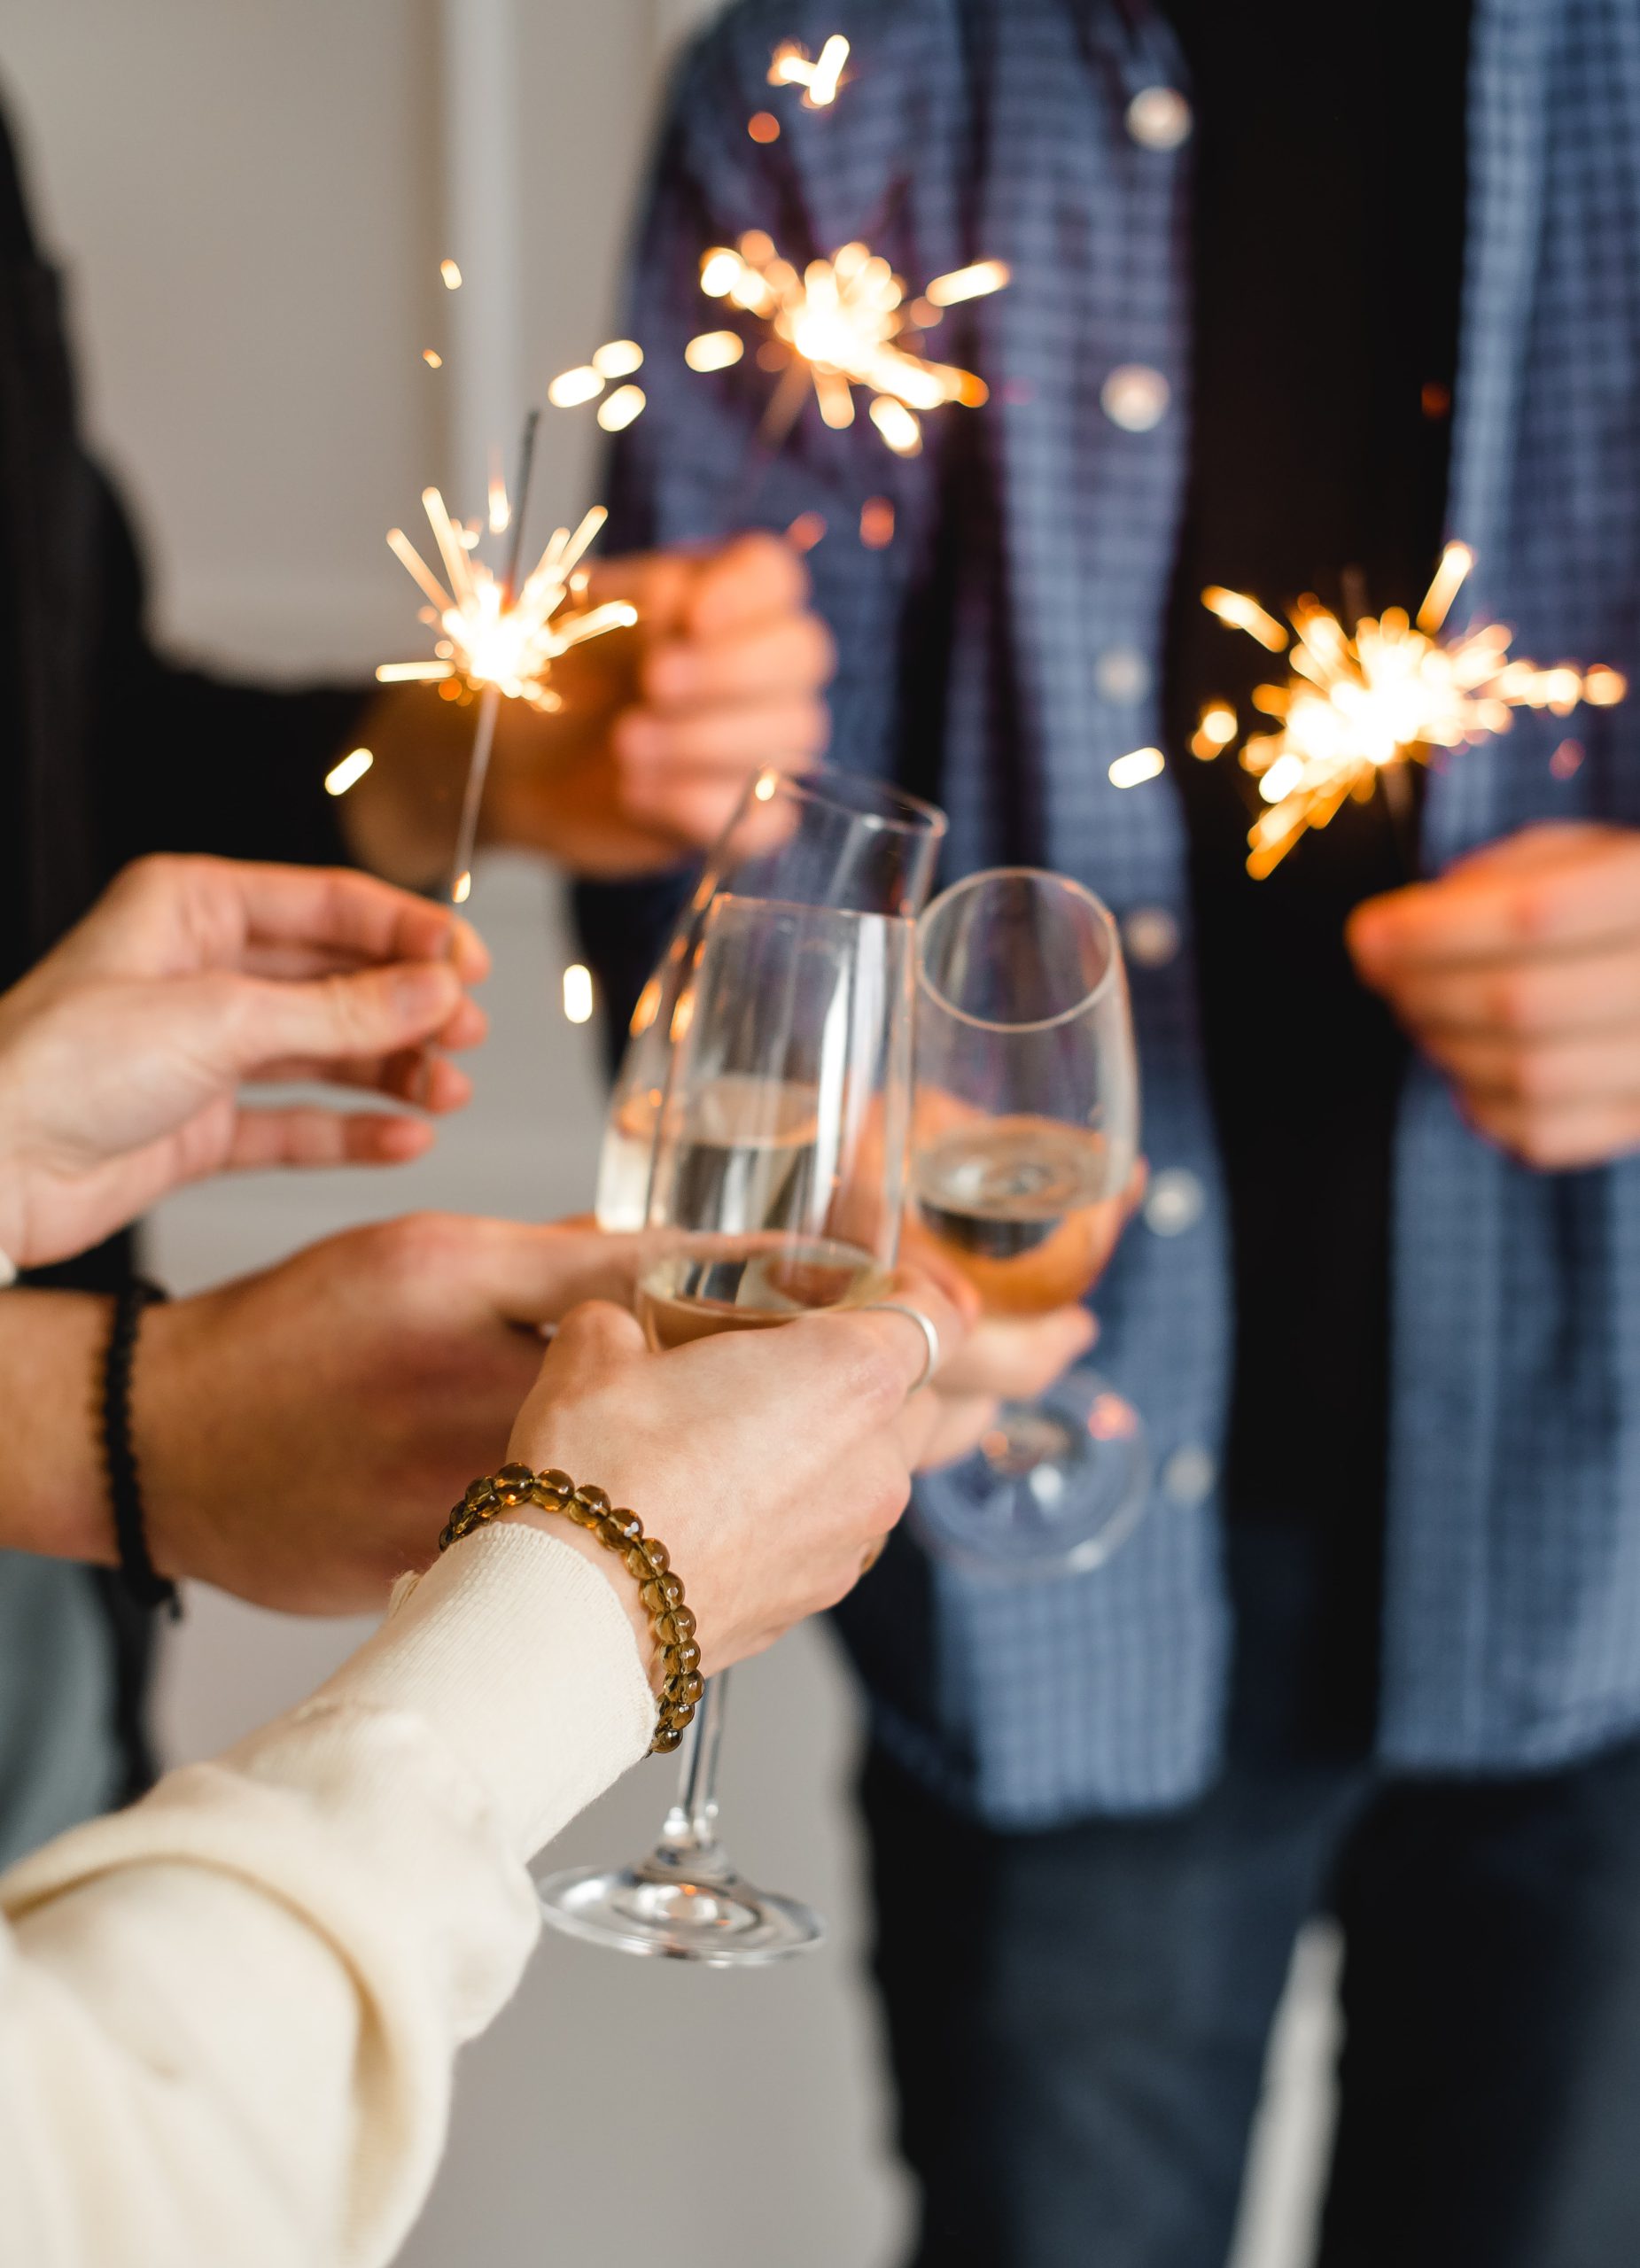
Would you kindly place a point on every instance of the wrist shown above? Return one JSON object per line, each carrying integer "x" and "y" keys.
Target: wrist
{"x": 175, "y": 1509}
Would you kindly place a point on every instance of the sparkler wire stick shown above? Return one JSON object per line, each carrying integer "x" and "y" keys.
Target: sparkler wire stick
{"x": 490, "y": 703}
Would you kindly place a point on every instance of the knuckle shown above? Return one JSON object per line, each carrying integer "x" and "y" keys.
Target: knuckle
{"x": 1538, "y": 1141}
{"x": 1529, "y": 912}
{"x": 881, "y": 1380}
{"x": 415, "y": 1246}
{"x": 158, "y": 872}
{"x": 1536, "y": 1075}
{"x": 1513, "y": 1000}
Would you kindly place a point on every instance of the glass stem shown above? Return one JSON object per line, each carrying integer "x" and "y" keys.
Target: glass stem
{"x": 694, "y": 1815}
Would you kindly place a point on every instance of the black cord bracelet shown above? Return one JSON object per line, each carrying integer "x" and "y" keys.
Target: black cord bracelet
{"x": 137, "y": 1570}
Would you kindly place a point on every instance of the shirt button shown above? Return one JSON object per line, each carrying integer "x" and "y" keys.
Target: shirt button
{"x": 1158, "y": 118}
{"x": 1175, "y": 1202}
{"x": 1121, "y": 673}
{"x": 1135, "y": 397}
{"x": 1151, "y": 935}
{"x": 1188, "y": 1476}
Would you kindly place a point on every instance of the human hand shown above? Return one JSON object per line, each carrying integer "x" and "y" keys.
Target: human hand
{"x": 1518, "y": 972}
{"x": 123, "y": 1052}
{"x": 303, "y": 1433}
{"x": 660, "y": 729}
{"x": 769, "y": 1462}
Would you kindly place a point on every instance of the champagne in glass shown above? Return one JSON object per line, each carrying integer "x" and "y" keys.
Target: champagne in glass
{"x": 828, "y": 839}
{"x": 1028, "y": 1209}
{"x": 1025, "y": 1142}
{"x": 778, "y": 1186}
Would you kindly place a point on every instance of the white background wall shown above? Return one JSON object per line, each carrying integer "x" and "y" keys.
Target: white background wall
{"x": 253, "y": 199}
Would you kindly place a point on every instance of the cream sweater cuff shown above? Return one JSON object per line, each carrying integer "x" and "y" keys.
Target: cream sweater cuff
{"x": 517, "y": 1651}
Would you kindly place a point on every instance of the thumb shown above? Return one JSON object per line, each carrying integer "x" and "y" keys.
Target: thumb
{"x": 372, "y": 1012}
{"x": 594, "y": 1342}
{"x": 594, "y": 1337}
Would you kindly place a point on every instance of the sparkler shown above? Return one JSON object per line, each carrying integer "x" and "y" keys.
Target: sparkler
{"x": 839, "y": 323}
{"x": 500, "y": 640}
{"x": 1359, "y": 706}
{"x": 820, "y": 79}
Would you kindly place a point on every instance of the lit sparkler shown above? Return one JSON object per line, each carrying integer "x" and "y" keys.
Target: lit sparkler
{"x": 839, "y": 323}
{"x": 489, "y": 639}
{"x": 1359, "y": 706}
{"x": 500, "y": 638}
{"x": 819, "y": 77}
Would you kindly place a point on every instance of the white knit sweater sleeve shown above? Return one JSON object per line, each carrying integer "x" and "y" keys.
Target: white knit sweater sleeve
{"x": 229, "y": 2015}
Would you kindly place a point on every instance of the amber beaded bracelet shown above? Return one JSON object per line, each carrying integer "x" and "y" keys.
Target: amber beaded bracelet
{"x": 646, "y": 1559}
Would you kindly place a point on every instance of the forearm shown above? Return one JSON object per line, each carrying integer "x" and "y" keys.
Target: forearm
{"x": 53, "y": 1499}
{"x": 231, "y": 2012}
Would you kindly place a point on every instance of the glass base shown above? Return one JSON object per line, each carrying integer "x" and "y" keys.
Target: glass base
{"x": 685, "y": 1902}
{"x": 1054, "y": 1490}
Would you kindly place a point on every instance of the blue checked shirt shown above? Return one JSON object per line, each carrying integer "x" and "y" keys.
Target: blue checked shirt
{"x": 977, "y": 658}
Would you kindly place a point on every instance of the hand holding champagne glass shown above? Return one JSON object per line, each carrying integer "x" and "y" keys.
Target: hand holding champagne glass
{"x": 1025, "y": 1149}
{"x": 777, "y": 1188}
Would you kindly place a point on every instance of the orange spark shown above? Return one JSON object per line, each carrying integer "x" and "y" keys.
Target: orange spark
{"x": 1359, "y": 704}
{"x": 819, "y": 78}
{"x": 839, "y": 325}
{"x": 492, "y": 639}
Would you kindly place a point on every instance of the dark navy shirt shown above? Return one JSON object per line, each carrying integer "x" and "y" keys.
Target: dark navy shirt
{"x": 1327, "y": 254}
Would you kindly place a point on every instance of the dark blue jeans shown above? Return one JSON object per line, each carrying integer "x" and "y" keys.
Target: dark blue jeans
{"x": 1078, "y": 2018}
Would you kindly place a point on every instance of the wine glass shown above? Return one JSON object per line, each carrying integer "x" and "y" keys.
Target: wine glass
{"x": 779, "y": 1167}
{"x": 1024, "y": 1142}
{"x": 829, "y": 838}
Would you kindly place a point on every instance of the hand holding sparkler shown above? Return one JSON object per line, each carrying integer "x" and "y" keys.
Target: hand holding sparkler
{"x": 658, "y": 728}
{"x": 723, "y": 676}
{"x": 1518, "y": 972}
{"x": 498, "y": 639}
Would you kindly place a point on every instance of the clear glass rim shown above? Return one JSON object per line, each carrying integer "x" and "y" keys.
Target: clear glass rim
{"x": 852, "y": 793}
{"x": 1070, "y": 889}
{"x": 801, "y": 905}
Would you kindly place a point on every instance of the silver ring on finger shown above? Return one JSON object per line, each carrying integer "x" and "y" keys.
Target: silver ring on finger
{"x": 931, "y": 1358}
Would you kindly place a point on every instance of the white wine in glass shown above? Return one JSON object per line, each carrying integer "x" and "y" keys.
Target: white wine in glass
{"x": 827, "y": 838}
{"x": 778, "y": 1188}
{"x": 1028, "y": 1209}
{"x": 1024, "y": 1147}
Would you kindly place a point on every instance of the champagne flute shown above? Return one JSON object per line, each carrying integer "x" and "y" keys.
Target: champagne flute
{"x": 825, "y": 838}
{"x": 1024, "y": 1143}
{"x": 779, "y": 1166}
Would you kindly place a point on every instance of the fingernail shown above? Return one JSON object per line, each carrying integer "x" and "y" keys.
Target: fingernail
{"x": 471, "y": 954}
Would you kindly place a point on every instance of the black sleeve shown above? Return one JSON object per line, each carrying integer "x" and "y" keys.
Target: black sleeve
{"x": 184, "y": 760}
